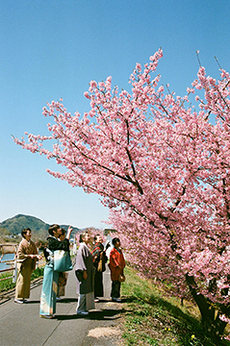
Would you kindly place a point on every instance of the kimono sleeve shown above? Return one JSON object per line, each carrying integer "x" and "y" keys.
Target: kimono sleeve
{"x": 80, "y": 259}
{"x": 54, "y": 244}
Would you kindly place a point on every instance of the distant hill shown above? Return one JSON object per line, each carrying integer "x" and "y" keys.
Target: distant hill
{"x": 16, "y": 224}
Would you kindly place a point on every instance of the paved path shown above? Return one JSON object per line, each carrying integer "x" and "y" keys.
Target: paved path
{"x": 21, "y": 325}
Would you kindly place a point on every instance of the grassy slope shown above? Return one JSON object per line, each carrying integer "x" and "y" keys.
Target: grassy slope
{"x": 154, "y": 318}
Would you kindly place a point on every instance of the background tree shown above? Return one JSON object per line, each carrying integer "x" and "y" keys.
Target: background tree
{"x": 162, "y": 167}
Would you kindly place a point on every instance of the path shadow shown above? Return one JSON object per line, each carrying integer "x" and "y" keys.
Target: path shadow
{"x": 62, "y": 301}
{"x": 104, "y": 300}
{"x": 67, "y": 317}
{"x": 107, "y": 314}
{"x": 67, "y": 300}
{"x": 29, "y": 302}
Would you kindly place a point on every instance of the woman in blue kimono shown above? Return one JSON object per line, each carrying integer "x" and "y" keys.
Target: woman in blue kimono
{"x": 50, "y": 278}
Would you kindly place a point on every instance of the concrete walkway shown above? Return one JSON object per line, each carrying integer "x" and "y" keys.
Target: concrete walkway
{"x": 21, "y": 325}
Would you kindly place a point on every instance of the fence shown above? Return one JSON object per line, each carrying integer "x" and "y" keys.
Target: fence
{"x": 9, "y": 248}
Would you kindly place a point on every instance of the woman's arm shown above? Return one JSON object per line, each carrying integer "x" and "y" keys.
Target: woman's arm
{"x": 114, "y": 259}
{"x": 70, "y": 229}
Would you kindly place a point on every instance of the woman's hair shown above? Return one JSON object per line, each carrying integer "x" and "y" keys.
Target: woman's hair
{"x": 53, "y": 228}
{"x": 115, "y": 240}
{"x": 24, "y": 231}
{"x": 95, "y": 237}
{"x": 63, "y": 232}
{"x": 82, "y": 236}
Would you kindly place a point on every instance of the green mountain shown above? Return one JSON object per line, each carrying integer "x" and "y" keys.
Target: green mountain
{"x": 13, "y": 226}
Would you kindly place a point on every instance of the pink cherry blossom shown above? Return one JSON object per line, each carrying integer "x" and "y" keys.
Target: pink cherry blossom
{"x": 163, "y": 169}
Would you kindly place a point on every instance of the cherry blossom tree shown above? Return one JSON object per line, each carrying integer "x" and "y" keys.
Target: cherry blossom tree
{"x": 161, "y": 163}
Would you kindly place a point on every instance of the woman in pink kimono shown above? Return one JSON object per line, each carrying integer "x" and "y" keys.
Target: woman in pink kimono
{"x": 27, "y": 255}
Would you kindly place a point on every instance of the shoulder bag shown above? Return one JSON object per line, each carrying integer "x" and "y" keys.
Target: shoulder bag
{"x": 62, "y": 261}
{"x": 100, "y": 265}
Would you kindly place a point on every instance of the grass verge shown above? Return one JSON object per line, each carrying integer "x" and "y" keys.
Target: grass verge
{"x": 7, "y": 284}
{"x": 154, "y": 318}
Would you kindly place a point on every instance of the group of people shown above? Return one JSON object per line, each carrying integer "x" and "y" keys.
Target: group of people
{"x": 89, "y": 267}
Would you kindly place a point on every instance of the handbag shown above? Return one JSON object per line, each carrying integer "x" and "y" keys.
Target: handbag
{"x": 62, "y": 261}
{"x": 121, "y": 278}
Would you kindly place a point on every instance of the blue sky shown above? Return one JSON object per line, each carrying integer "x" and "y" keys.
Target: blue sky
{"x": 52, "y": 48}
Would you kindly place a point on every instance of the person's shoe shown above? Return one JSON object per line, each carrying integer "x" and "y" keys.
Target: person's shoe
{"x": 58, "y": 298}
{"x": 118, "y": 300}
{"x": 84, "y": 313}
{"x": 19, "y": 301}
{"x": 96, "y": 300}
{"x": 25, "y": 301}
{"x": 47, "y": 316}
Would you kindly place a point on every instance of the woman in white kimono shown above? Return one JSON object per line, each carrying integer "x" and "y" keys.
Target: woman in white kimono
{"x": 27, "y": 255}
{"x": 84, "y": 270}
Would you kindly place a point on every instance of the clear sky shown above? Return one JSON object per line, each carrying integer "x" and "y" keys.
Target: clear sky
{"x": 52, "y": 48}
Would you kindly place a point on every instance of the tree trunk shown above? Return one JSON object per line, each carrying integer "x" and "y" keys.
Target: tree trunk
{"x": 213, "y": 326}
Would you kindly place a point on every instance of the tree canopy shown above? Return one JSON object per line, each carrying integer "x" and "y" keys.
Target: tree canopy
{"x": 161, "y": 164}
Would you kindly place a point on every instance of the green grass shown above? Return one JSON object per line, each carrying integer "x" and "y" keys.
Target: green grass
{"x": 152, "y": 317}
{"x": 37, "y": 273}
{"x": 7, "y": 284}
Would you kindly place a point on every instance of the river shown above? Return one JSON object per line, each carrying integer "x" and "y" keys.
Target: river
{"x": 6, "y": 257}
